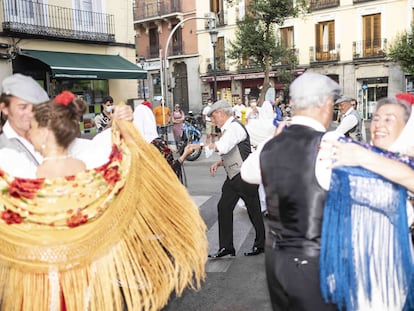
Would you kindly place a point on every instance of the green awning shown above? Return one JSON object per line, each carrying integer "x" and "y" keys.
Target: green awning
{"x": 87, "y": 66}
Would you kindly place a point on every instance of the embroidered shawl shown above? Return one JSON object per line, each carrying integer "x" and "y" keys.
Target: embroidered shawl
{"x": 124, "y": 235}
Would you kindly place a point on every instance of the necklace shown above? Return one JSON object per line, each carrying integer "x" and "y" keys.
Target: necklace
{"x": 62, "y": 157}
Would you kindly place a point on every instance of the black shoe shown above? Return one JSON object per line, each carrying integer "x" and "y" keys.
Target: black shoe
{"x": 223, "y": 252}
{"x": 255, "y": 251}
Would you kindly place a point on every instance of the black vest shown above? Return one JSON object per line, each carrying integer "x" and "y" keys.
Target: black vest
{"x": 295, "y": 200}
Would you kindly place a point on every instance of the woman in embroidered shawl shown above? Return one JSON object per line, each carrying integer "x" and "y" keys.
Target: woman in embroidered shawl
{"x": 122, "y": 236}
{"x": 54, "y": 126}
{"x": 373, "y": 264}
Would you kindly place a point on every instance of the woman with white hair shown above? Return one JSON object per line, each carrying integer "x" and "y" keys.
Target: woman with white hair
{"x": 367, "y": 264}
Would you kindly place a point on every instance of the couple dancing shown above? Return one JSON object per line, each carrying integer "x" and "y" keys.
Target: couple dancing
{"x": 75, "y": 232}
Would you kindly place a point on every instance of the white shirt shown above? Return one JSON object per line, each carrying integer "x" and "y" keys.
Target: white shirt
{"x": 233, "y": 133}
{"x": 250, "y": 170}
{"x": 348, "y": 121}
{"x": 205, "y": 112}
{"x": 237, "y": 109}
{"x": 93, "y": 152}
{"x": 11, "y": 133}
{"x": 144, "y": 121}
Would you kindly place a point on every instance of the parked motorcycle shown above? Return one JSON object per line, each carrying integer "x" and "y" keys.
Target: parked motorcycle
{"x": 191, "y": 135}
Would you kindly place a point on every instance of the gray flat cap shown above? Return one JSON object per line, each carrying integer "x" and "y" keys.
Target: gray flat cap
{"x": 221, "y": 104}
{"x": 24, "y": 87}
{"x": 343, "y": 99}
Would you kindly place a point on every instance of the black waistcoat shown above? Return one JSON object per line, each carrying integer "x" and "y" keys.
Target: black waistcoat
{"x": 295, "y": 200}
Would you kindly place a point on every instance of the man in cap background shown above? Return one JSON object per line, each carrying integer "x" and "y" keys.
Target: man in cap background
{"x": 351, "y": 123}
{"x": 19, "y": 94}
{"x": 234, "y": 147}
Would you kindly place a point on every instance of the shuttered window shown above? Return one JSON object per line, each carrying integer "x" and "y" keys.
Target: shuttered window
{"x": 325, "y": 40}
{"x": 286, "y": 37}
{"x": 372, "y": 34}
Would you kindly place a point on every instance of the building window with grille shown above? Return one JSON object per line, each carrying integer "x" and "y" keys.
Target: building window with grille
{"x": 325, "y": 40}
{"x": 372, "y": 42}
{"x": 286, "y": 37}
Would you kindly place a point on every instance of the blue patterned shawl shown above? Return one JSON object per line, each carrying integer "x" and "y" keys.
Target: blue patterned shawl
{"x": 358, "y": 198}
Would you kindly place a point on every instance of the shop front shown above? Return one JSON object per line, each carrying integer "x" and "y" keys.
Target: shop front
{"x": 85, "y": 75}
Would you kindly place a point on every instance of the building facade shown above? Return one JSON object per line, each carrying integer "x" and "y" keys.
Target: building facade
{"x": 173, "y": 70}
{"x": 347, "y": 40}
{"x": 87, "y": 47}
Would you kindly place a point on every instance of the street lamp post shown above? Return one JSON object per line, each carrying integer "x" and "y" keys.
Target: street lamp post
{"x": 142, "y": 63}
{"x": 213, "y": 38}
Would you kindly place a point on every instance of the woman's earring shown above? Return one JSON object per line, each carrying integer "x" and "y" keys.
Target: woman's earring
{"x": 43, "y": 146}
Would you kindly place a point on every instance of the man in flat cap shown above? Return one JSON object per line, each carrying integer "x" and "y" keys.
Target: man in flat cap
{"x": 19, "y": 94}
{"x": 234, "y": 147}
{"x": 351, "y": 123}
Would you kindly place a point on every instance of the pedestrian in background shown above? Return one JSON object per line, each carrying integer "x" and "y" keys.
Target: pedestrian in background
{"x": 162, "y": 118}
{"x": 237, "y": 109}
{"x": 210, "y": 127}
{"x": 234, "y": 147}
{"x": 351, "y": 122}
{"x": 103, "y": 119}
{"x": 177, "y": 118}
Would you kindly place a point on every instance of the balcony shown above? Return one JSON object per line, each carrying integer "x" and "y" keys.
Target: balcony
{"x": 323, "y": 4}
{"x": 30, "y": 19}
{"x": 154, "y": 51}
{"x": 361, "y": 1}
{"x": 375, "y": 48}
{"x": 145, "y": 10}
{"x": 324, "y": 53}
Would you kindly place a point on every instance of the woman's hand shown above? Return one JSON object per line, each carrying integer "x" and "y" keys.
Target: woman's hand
{"x": 347, "y": 154}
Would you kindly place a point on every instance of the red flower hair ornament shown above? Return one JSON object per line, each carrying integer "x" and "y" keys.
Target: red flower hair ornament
{"x": 407, "y": 97}
{"x": 64, "y": 98}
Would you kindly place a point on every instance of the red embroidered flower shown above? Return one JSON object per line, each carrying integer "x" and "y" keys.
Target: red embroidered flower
{"x": 64, "y": 98}
{"x": 76, "y": 219}
{"x": 115, "y": 154}
{"x": 408, "y": 97}
{"x": 25, "y": 188}
{"x": 111, "y": 175}
{"x": 11, "y": 217}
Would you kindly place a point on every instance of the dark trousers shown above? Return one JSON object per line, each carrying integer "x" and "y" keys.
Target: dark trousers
{"x": 293, "y": 280}
{"x": 231, "y": 192}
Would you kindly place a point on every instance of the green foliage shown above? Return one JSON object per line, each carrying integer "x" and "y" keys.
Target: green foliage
{"x": 255, "y": 37}
{"x": 402, "y": 51}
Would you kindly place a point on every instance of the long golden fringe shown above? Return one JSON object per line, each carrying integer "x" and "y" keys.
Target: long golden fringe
{"x": 150, "y": 242}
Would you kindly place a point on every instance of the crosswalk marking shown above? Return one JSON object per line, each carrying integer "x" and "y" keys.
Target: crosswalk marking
{"x": 241, "y": 228}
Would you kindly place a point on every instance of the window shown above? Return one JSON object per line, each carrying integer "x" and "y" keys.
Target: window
{"x": 286, "y": 37}
{"x": 325, "y": 40}
{"x": 220, "y": 54}
{"x": 88, "y": 15}
{"x": 371, "y": 35}
{"x": 177, "y": 43}
{"x": 17, "y": 8}
{"x": 154, "y": 43}
{"x": 217, "y": 7}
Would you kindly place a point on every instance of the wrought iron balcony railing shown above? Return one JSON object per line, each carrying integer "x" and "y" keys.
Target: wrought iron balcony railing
{"x": 323, "y": 4}
{"x": 36, "y": 19}
{"x": 372, "y": 48}
{"x": 154, "y": 51}
{"x": 155, "y": 8}
{"x": 324, "y": 53}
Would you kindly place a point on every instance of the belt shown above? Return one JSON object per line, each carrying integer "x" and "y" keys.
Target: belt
{"x": 299, "y": 246}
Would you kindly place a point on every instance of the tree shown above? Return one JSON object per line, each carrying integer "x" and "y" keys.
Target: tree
{"x": 255, "y": 37}
{"x": 402, "y": 51}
